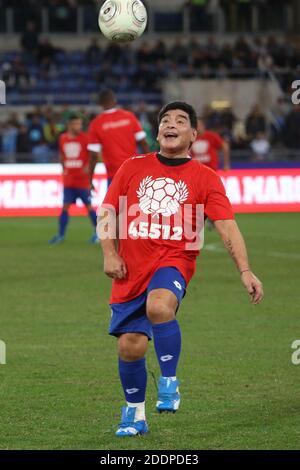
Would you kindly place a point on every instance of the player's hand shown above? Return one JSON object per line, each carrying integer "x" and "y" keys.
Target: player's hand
{"x": 115, "y": 267}
{"x": 253, "y": 286}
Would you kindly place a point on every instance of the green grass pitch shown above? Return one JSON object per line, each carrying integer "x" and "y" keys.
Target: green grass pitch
{"x": 60, "y": 388}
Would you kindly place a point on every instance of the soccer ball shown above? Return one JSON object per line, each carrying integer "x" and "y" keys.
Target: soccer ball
{"x": 122, "y": 20}
{"x": 161, "y": 196}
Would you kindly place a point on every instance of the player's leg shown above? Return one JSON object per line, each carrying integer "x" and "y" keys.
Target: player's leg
{"x": 132, "y": 348}
{"x": 63, "y": 220}
{"x": 165, "y": 292}
{"x": 130, "y": 324}
{"x": 93, "y": 217}
{"x": 85, "y": 196}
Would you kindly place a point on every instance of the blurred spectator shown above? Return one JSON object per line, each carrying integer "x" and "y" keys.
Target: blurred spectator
{"x": 9, "y": 139}
{"x": 94, "y": 52}
{"x": 51, "y": 130}
{"x": 23, "y": 145}
{"x": 260, "y": 146}
{"x": 179, "y": 52}
{"x": 46, "y": 51}
{"x": 291, "y": 132}
{"x": 29, "y": 39}
{"x": 255, "y": 122}
{"x": 35, "y": 130}
{"x": 41, "y": 152}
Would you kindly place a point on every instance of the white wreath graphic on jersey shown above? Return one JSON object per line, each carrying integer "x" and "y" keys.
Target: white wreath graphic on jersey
{"x": 161, "y": 196}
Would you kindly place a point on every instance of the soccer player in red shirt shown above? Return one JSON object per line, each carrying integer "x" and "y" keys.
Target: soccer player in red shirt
{"x": 154, "y": 258}
{"x": 207, "y": 145}
{"x": 74, "y": 157}
{"x": 114, "y": 135}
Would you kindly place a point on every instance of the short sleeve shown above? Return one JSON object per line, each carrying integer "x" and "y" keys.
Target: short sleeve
{"x": 217, "y": 205}
{"x": 94, "y": 141}
{"x": 117, "y": 187}
{"x": 139, "y": 132}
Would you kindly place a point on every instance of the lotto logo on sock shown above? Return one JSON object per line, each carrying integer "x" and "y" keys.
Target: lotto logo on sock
{"x": 166, "y": 358}
{"x": 130, "y": 391}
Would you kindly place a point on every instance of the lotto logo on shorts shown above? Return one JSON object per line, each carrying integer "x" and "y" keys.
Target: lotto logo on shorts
{"x": 178, "y": 285}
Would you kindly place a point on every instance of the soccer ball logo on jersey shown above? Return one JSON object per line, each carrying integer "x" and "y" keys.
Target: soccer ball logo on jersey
{"x": 72, "y": 149}
{"x": 161, "y": 196}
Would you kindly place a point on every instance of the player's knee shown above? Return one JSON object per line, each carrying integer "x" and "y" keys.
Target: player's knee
{"x": 159, "y": 311}
{"x": 132, "y": 347}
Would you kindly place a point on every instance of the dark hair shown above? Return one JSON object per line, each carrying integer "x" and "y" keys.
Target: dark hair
{"x": 107, "y": 97}
{"x": 74, "y": 116}
{"x": 187, "y": 108}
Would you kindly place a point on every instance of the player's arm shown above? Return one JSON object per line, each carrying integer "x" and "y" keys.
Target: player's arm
{"x": 95, "y": 149}
{"x": 144, "y": 145}
{"x": 226, "y": 155}
{"x": 107, "y": 225}
{"x": 114, "y": 265}
{"x": 95, "y": 157}
{"x": 140, "y": 134}
{"x": 236, "y": 247}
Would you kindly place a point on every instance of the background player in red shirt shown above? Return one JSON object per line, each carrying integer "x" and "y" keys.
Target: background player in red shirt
{"x": 206, "y": 147}
{"x": 153, "y": 263}
{"x": 74, "y": 157}
{"x": 114, "y": 135}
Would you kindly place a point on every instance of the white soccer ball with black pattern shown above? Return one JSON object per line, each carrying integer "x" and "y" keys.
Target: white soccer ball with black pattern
{"x": 122, "y": 20}
{"x": 161, "y": 196}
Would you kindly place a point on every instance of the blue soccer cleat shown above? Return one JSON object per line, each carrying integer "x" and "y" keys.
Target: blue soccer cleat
{"x": 56, "y": 240}
{"x": 168, "y": 395}
{"x": 94, "y": 239}
{"x": 129, "y": 427}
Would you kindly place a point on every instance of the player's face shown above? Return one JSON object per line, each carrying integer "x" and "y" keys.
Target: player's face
{"x": 75, "y": 126}
{"x": 175, "y": 133}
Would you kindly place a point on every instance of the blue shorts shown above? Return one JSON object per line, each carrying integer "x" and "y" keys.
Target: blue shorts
{"x": 72, "y": 194}
{"x": 130, "y": 317}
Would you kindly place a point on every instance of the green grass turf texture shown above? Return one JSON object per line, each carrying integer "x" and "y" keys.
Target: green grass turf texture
{"x": 60, "y": 386}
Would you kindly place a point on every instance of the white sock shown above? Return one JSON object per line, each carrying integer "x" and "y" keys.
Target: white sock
{"x": 140, "y": 410}
{"x": 171, "y": 378}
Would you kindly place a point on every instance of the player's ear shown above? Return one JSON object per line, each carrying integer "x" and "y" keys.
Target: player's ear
{"x": 194, "y": 135}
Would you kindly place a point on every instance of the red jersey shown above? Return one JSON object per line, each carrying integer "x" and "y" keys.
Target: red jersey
{"x": 160, "y": 198}
{"x": 205, "y": 149}
{"x": 75, "y": 157}
{"x": 115, "y": 132}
